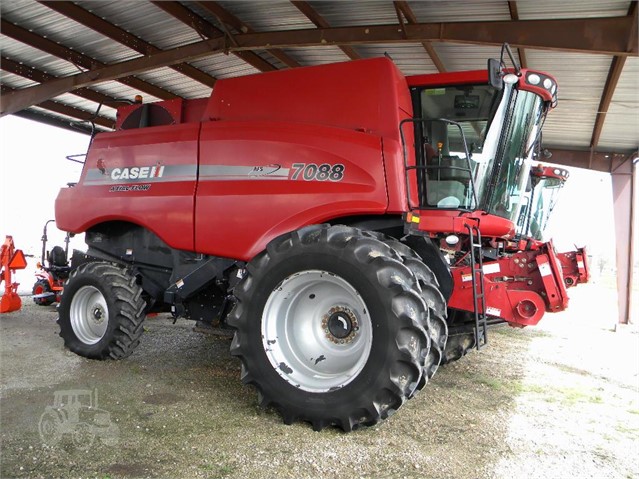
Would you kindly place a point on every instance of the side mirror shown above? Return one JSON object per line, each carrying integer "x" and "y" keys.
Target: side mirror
{"x": 494, "y": 73}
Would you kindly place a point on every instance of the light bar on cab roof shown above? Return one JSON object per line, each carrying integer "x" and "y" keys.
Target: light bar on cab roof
{"x": 542, "y": 84}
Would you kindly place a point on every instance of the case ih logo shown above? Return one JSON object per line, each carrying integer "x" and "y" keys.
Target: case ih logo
{"x": 134, "y": 173}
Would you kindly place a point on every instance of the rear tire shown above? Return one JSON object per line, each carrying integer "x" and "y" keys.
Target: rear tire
{"x": 289, "y": 309}
{"x": 42, "y": 286}
{"x": 428, "y": 286}
{"x": 101, "y": 312}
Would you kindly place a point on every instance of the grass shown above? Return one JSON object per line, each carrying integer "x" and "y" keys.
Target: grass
{"x": 564, "y": 395}
{"x": 524, "y": 334}
{"x": 568, "y": 396}
{"x": 492, "y": 383}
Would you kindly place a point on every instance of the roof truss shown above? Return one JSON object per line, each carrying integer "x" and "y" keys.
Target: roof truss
{"x": 603, "y": 35}
{"x": 223, "y": 32}
{"x": 614, "y": 74}
{"x": 89, "y": 20}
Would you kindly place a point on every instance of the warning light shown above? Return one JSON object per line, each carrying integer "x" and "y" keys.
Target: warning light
{"x": 411, "y": 218}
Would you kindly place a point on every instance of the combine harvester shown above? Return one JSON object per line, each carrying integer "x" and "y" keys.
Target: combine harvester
{"x": 341, "y": 219}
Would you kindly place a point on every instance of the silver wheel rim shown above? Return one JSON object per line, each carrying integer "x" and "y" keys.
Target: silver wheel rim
{"x": 89, "y": 314}
{"x": 316, "y": 331}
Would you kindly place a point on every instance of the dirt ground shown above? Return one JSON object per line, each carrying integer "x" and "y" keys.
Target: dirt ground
{"x": 557, "y": 401}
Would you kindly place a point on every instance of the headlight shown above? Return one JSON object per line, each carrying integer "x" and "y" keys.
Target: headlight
{"x": 533, "y": 79}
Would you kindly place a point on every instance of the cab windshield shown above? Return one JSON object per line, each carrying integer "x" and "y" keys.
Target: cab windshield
{"x": 500, "y": 128}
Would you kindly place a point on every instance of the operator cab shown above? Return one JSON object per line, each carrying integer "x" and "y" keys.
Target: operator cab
{"x": 475, "y": 140}
{"x": 453, "y": 117}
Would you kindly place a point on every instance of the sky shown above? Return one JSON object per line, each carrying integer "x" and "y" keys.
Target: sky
{"x": 33, "y": 168}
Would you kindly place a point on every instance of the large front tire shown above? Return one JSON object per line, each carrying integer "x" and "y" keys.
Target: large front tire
{"x": 328, "y": 328}
{"x": 101, "y": 312}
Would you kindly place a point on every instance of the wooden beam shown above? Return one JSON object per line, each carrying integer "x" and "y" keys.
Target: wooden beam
{"x": 70, "y": 111}
{"x": 320, "y": 22}
{"x": 39, "y": 76}
{"x": 227, "y": 18}
{"x": 52, "y": 48}
{"x": 208, "y": 30}
{"x": 616, "y": 68}
{"x": 95, "y": 23}
{"x": 614, "y": 73}
{"x": 412, "y": 19}
{"x": 514, "y": 15}
{"x": 20, "y": 99}
{"x": 55, "y": 121}
{"x": 567, "y": 34}
{"x": 592, "y": 35}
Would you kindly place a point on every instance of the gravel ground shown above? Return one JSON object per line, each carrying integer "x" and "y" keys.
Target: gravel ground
{"x": 557, "y": 401}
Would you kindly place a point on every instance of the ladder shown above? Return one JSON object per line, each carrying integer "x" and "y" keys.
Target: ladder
{"x": 477, "y": 276}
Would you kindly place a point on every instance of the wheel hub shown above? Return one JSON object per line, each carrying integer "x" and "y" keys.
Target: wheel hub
{"x": 316, "y": 331}
{"x": 89, "y": 314}
{"x": 340, "y": 325}
{"x": 98, "y": 315}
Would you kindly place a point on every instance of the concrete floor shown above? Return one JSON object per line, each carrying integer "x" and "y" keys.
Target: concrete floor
{"x": 557, "y": 401}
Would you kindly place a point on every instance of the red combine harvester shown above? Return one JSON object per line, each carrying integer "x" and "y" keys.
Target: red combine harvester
{"x": 342, "y": 220}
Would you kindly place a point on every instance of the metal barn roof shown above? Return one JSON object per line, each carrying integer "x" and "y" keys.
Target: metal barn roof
{"x": 61, "y": 59}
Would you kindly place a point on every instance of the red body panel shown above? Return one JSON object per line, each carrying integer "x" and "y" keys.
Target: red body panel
{"x": 249, "y": 192}
{"x": 450, "y": 78}
{"x": 457, "y": 222}
{"x": 162, "y": 204}
{"x": 363, "y": 95}
{"x": 233, "y": 182}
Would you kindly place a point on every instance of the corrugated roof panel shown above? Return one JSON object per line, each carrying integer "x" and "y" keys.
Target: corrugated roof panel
{"x": 175, "y": 82}
{"x": 308, "y": 56}
{"x": 224, "y": 66}
{"x": 411, "y": 59}
{"x": 83, "y": 104}
{"x": 262, "y": 16}
{"x": 120, "y": 91}
{"x": 456, "y": 11}
{"x": 67, "y": 119}
{"x": 343, "y": 14}
{"x": 621, "y": 127}
{"x": 265, "y": 55}
{"x": 546, "y": 9}
{"x": 37, "y": 59}
{"x": 144, "y": 20}
{"x": 54, "y": 26}
{"x": 580, "y": 78}
{"x": 460, "y": 57}
{"x": 15, "y": 81}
